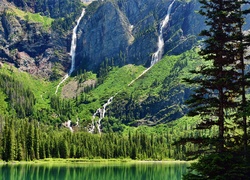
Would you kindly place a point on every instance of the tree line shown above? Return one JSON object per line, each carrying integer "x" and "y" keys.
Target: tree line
{"x": 25, "y": 140}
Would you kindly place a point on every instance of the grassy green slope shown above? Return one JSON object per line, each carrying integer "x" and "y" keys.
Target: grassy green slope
{"x": 31, "y": 17}
{"x": 158, "y": 86}
{"x": 162, "y": 77}
{"x": 167, "y": 73}
{"x": 41, "y": 89}
{"x": 159, "y": 94}
{"x": 116, "y": 81}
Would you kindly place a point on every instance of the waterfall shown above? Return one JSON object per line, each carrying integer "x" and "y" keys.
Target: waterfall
{"x": 68, "y": 125}
{"x": 72, "y": 51}
{"x": 101, "y": 112}
{"x": 62, "y": 81}
{"x": 155, "y": 58}
{"x": 146, "y": 70}
{"x": 73, "y": 44}
{"x": 158, "y": 54}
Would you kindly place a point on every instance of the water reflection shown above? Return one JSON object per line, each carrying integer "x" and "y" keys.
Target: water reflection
{"x": 93, "y": 171}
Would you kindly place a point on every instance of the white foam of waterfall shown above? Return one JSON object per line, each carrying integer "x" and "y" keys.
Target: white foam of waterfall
{"x": 72, "y": 51}
{"x": 101, "y": 112}
{"x": 73, "y": 43}
{"x": 158, "y": 54}
{"x": 146, "y": 70}
{"x": 67, "y": 124}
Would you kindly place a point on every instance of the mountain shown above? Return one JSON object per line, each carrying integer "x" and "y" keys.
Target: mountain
{"x": 29, "y": 34}
{"x": 126, "y": 32}
{"x": 112, "y": 32}
{"x": 115, "y": 44}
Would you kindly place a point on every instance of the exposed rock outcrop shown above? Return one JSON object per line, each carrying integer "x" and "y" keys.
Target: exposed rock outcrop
{"x": 103, "y": 34}
{"x": 123, "y": 32}
{"x": 112, "y": 32}
{"x": 29, "y": 46}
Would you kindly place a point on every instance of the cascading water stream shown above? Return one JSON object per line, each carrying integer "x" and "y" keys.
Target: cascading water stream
{"x": 101, "y": 112}
{"x": 155, "y": 58}
{"x": 73, "y": 43}
{"x": 158, "y": 54}
{"x": 72, "y": 51}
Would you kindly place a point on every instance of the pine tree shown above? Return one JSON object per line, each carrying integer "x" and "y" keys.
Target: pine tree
{"x": 36, "y": 142}
{"x": 64, "y": 149}
{"x": 19, "y": 146}
{"x": 221, "y": 87}
{"x": 217, "y": 80}
{"x": 30, "y": 142}
{"x": 242, "y": 42}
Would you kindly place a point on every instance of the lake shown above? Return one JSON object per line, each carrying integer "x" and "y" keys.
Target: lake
{"x": 94, "y": 171}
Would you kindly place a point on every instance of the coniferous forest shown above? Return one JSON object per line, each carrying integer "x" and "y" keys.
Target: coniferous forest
{"x": 23, "y": 140}
{"x": 29, "y": 132}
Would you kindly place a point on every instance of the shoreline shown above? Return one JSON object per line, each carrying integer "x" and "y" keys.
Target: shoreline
{"x": 69, "y": 161}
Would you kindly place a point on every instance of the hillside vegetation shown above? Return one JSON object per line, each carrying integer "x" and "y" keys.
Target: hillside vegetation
{"x": 31, "y": 17}
{"x": 158, "y": 94}
{"x": 38, "y": 133}
{"x": 30, "y": 102}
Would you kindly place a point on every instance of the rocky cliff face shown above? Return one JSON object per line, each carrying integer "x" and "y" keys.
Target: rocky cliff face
{"x": 104, "y": 34}
{"x": 30, "y": 46}
{"x": 122, "y": 32}
{"x": 112, "y": 32}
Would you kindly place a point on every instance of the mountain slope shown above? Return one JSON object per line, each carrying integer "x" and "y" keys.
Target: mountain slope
{"x": 29, "y": 40}
{"x": 116, "y": 40}
{"x": 156, "y": 97}
{"x": 126, "y": 32}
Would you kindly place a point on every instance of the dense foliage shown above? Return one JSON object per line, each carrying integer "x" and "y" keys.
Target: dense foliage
{"x": 20, "y": 100}
{"x": 43, "y": 126}
{"x": 24, "y": 140}
{"x": 42, "y": 135}
{"x": 220, "y": 96}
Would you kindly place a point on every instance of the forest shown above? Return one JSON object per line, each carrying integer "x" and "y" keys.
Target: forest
{"x": 27, "y": 134}
{"x": 32, "y": 126}
{"x": 23, "y": 140}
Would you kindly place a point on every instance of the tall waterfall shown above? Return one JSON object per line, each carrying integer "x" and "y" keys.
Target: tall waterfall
{"x": 155, "y": 58}
{"x": 72, "y": 51}
{"x": 73, "y": 44}
{"x": 158, "y": 54}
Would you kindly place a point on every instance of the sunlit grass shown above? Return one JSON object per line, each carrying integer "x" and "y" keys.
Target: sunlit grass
{"x": 42, "y": 89}
{"x": 34, "y": 17}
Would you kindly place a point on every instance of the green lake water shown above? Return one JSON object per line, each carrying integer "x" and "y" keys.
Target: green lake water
{"x": 94, "y": 171}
